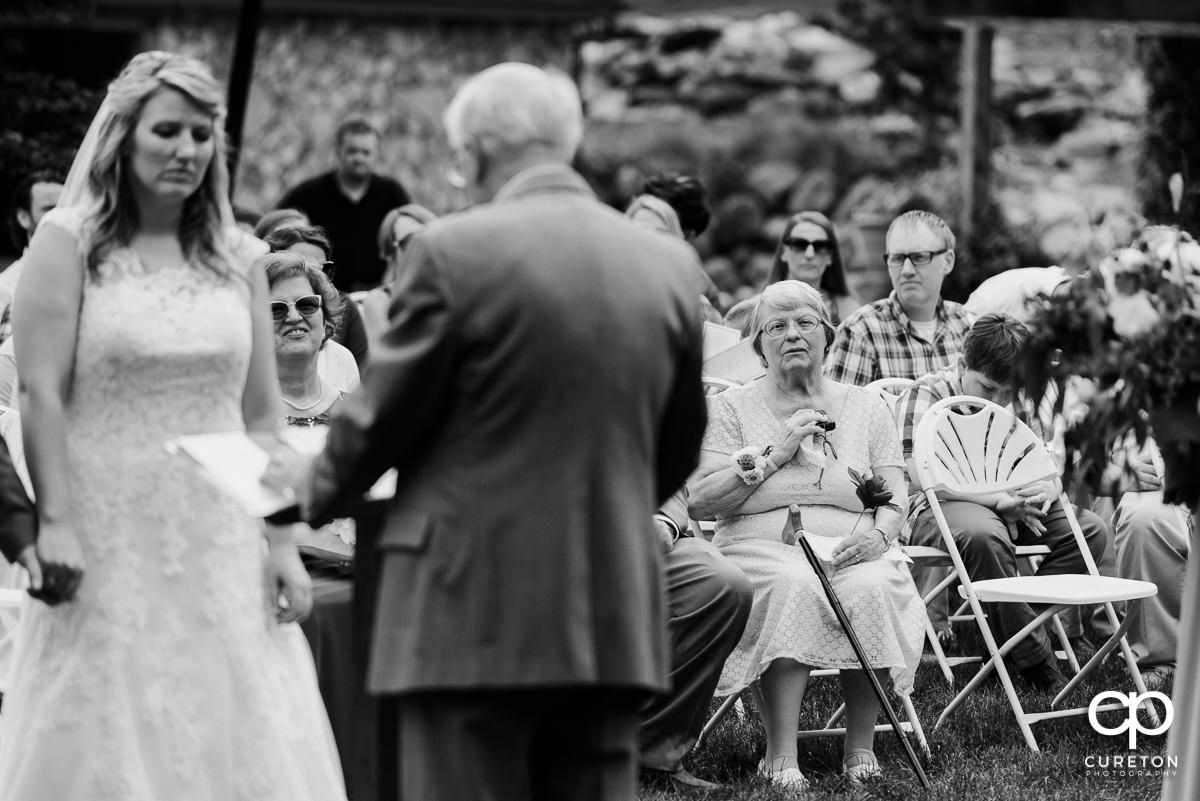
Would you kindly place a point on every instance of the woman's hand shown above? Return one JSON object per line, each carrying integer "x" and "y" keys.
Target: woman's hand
{"x": 861, "y": 546}
{"x": 803, "y": 423}
{"x": 288, "y": 584}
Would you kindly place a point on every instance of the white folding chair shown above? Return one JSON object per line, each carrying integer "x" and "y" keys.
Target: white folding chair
{"x": 911, "y": 725}
{"x": 971, "y": 448}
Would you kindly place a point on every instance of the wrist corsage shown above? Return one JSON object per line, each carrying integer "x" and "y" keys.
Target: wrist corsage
{"x": 751, "y": 464}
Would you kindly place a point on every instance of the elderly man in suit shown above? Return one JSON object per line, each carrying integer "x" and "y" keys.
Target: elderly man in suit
{"x": 538, "y": 390}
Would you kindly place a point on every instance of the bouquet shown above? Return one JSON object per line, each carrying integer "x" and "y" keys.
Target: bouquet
{"x": 1129, "y": 327}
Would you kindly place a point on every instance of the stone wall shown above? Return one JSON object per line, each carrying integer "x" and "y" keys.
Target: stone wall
{"x": 776, "y": 113}
{"x": 311, "y": 74}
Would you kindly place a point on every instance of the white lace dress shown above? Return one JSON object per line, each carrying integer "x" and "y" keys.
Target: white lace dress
{"x": 790, "y": 617}
{"x": 168, "y": 678}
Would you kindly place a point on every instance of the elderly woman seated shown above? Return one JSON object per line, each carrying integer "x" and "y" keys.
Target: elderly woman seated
{"x": 804, "y": 431}
{"x": 306, "y": 309}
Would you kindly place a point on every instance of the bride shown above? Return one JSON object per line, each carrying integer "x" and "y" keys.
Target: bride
{"x": 168, "y": 667}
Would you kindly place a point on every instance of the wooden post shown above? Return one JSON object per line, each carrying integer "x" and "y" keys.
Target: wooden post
{"x": 975, "y": 148}
{"x": 240, "y": 75}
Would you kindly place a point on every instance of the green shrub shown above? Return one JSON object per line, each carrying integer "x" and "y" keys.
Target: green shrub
{"x": 44, "y": 122}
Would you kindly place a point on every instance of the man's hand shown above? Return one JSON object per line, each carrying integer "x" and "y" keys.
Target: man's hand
{"x": 666, "y": 534}
{"x": 1014, "y": 508}
{"x": 1040, "y": 495}
{"x": 28, "y": 559}
{"x": 287, "y": 472}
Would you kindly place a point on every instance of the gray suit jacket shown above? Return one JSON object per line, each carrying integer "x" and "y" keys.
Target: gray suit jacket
{"x": 538, "y": 389}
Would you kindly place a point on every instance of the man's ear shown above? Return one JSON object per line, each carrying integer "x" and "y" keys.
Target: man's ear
{"x": 949, "y": 262}
{"x": 25, "y": 220}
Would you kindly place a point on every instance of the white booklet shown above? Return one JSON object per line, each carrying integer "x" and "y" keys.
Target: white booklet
{"x": 234, "y": 463}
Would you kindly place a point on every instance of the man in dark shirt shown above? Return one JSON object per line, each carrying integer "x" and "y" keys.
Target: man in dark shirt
{"x": 350, "y": 203}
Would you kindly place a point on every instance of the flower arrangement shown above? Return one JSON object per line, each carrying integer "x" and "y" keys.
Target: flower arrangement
{"x": 1129, "y": 325}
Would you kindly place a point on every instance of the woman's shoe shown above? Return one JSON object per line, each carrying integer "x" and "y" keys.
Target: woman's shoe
{"x": 861, "y": 767}
{"x": 787, "y": 778}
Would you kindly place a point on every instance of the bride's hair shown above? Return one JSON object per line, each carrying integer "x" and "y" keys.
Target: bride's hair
{"x": 115, "y": 220}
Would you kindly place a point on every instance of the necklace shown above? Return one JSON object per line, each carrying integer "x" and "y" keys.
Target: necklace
{"x": 300, "y": 408}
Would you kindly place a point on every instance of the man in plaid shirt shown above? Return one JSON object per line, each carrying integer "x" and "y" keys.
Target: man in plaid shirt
{"x": 913, "y": 331}
{"x": 987, "y": 533}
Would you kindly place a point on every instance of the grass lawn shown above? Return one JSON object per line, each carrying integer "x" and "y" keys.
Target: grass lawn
{"x": 978, "y": 755}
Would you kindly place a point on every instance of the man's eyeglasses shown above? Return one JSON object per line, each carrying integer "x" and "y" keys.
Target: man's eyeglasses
{"x": 822, "y": 247}
{"x": 779, "y": 328}
{"x": 919, "y": 259}
{"x": 307, "y": 306}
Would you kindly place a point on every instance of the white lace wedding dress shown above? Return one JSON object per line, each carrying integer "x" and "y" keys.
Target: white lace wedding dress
{"x": 168, "y": 678}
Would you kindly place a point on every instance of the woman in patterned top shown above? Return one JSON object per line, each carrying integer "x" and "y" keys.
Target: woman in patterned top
{"x": 772, "y": 443}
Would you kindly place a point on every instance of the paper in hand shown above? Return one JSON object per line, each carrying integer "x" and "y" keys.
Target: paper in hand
{"x": 233, "y": 463}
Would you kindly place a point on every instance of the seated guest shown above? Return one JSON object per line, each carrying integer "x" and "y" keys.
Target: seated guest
{"x": 396, "y": 231}
{"x": 1151, "y": 540}
{"x": 676, "y": 205}
{"x": 279, "y": 219}
{"x": 908, "y": 334}
{"x": 708, "y": 601}
{"x": 782, "y": 421}
{"x": 310, "y": 242}
{"x": 1011, "y": 291}
{"x": 808, "y": 251}
{"x": 739, "y": 315}
{"x": 987, "y": 533}
{"x": 305, "y": 308}
{"x": 913, "y": 331}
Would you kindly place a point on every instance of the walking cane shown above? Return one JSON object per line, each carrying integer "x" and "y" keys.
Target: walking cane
{"x": 893, "y": 719}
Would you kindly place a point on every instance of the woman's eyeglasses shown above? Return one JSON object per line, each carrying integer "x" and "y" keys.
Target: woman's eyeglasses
{"x": 822, "y": 247}
{"x": 307, "y": 306}
{"x": 779, "y": 328}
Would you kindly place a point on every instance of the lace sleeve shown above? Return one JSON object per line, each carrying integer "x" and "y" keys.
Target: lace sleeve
{"x": 884, "y": 438}
{"x": 72, "y": 220}
{"x": 724, "y": 431}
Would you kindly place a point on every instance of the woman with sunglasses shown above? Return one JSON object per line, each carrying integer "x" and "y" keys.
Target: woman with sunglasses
{"x": 306, "y": 310}
{"x": 788, "y": 438}
{"x": 808, "y": 251}
{"x": 311, "y": 243}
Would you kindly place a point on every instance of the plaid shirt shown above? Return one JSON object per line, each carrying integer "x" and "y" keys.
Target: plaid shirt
{"x": 879, "y": 341}
{"x": 911, "y": 407}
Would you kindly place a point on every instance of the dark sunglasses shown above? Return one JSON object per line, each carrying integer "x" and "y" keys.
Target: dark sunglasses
{"x": 822, "y": 247}
{"x": 307, "y": 306}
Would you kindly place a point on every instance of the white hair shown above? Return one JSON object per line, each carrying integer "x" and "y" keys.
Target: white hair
{"x": 511, "y": 106}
